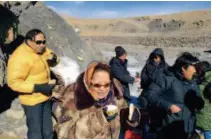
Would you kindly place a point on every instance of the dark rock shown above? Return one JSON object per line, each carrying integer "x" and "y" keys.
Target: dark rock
{"x": 61, "y": 36}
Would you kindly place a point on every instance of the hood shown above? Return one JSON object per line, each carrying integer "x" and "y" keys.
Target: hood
{"x": 84, "y": 97}
{"x": 157, "y": 51}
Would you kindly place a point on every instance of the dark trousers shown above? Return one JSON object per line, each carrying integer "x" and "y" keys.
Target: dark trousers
{"x": 39, "y": 121}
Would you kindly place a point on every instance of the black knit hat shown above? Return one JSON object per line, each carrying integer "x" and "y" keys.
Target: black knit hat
{"x": 119, "y": 51}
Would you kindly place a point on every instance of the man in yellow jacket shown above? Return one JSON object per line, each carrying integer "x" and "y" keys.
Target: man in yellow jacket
{"x": 29, "y": 74}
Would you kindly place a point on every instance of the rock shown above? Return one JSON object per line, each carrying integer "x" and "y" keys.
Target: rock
{"x": 20, "y": 129}
{"x": 157, "y": 41}
{"x": 15, "y": 114}
{"x": 11, "y": 133}
{"x": 61, "y": 37}
{"x": 80, "y": 58}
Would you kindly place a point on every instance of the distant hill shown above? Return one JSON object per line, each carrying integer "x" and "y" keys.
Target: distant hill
{"x": 182, "y": 23}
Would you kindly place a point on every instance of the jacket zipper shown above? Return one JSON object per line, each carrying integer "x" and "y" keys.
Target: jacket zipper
{"x": 45, "y": 67}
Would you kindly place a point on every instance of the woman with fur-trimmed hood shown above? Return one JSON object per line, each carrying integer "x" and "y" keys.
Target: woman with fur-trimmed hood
{"x": 90, "y": 107}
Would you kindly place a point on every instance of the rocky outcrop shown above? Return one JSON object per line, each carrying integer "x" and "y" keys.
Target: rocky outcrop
{"x": 158, "y": 25}
{"x": 61, "y": 37}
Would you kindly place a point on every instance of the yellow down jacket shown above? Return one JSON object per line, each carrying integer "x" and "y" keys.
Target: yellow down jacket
{"x": 25, "y": 69}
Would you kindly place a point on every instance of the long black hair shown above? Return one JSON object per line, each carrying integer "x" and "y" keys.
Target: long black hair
{"x": 7, "y": 20}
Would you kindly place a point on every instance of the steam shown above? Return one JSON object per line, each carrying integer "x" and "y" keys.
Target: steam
{"x": 68, "y": 69}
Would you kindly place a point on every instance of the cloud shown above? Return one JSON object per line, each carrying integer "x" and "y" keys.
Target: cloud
{"x": 104, "y": 14}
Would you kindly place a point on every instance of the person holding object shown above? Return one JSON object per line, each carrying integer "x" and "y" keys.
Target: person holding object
{"x": 29, "y": 75}
{"x": 90, "y": 107}
{"x": 119, "y": 71}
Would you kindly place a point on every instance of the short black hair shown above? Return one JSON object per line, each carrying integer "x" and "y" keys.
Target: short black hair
{"x": 7, "y": 20}
{"x": 185, "y": 60}
{"x": 30, "y": 35}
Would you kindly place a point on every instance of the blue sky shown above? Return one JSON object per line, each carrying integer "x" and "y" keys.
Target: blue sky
{"x": 117, "y": 9}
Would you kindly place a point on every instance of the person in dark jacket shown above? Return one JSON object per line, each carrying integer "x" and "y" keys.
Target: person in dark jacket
{"x": 119, "y": 70}
{"x": 177, "y": 96}
{"x": 155, "y": 65}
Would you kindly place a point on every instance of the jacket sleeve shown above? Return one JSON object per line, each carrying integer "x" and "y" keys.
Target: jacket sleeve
{"x": 119, "y": 75}
{"x": 18, "y": 70}
{"x": 155, "y": 99}
{"x": 144, "y": 78}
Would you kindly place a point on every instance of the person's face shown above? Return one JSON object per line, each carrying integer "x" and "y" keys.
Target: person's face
{"x": 123, "y": 57}
{"x": 157, "y": 59}
{"x": 10, "y": 36}
{"x": 38, "y": 44}
{"x": 100, "y": 84}
{"x": 189, "y": 72}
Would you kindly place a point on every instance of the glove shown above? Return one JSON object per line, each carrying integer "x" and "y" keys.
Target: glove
{"x": 53, "y": 60}
{"x": 110, "y": 112}
{"x": 45, "y": 89}
{"x": 192, "y": 101}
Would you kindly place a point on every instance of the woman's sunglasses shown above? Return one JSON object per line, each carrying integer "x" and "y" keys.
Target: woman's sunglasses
{"x": 39, "y": 42}
{"x": 99, "y": 85}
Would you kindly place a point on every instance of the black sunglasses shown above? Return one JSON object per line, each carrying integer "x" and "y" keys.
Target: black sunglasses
{"x": 99, "y": 85}
{"x": 39, "y": 42}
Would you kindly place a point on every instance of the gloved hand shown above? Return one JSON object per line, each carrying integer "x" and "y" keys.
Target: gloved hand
{"x": 45, "y": 89}
{"x": 110, "y": 112}
{"x": 134, "y": 116}
{"x": 52, "y": 60}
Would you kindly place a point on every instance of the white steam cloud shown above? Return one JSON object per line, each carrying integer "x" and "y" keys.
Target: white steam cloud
{"x": 68, "y": 69}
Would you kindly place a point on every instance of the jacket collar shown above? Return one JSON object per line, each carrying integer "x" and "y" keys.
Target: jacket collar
{"x": 83, "y": 98}
{"x": 28, "y": 48}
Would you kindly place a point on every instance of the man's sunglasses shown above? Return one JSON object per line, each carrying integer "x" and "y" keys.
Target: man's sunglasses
{"x": 99, "y": 85}
{"x": 39, "y": 42}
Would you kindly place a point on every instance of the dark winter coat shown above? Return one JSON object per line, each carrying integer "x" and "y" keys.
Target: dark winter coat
{"x": 172, "y": 89}
{"x": 151, "y": 70}
{"x": 120, "y": 72}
